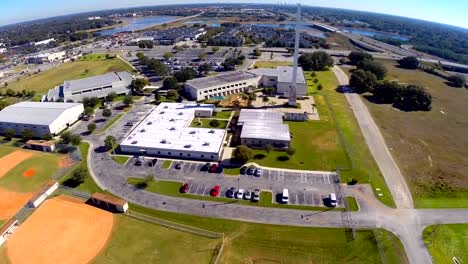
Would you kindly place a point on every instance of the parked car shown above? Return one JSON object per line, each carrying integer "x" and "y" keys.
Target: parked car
{"x": 139, "y": 161}
{"x": 256, "y": 195}
{"x": 213, "y": 168}
{"x": 215, "y": 191}
{"x": 230, "y": 193}
{"x": 247, "y": 195}
{"x": 285, "y": 196}
{"x": 240, "y": 194}
{"x": 332, "y": 197}
{"x": 220, "y": 169}
{"x": 251, "y": 171}
{"x": 243, "y": 170}
{"x": 206, "y": 167}
{"x": 258, "y": 172}
{"x": 152, "y": 162}
{"x": 178, "y": 166}
{"x": 185, "y": 188}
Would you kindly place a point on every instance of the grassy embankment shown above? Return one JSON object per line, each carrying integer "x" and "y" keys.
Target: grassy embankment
{"x": 447, "y": 241}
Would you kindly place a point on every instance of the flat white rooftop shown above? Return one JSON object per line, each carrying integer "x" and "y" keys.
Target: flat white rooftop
{"x": 263, "y": 124}
{"x": 167, "y": 127}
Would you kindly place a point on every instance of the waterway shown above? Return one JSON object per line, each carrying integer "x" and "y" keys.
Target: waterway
{"x": 138, "y": 23}
{"x": 373, "y": 34}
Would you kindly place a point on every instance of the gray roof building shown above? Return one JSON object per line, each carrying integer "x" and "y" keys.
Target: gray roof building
{"x": 219, "y": 80}
{"x": 283, "y": 74}
{"x": 262, "y": 127}
{"x": 97, "y": 86}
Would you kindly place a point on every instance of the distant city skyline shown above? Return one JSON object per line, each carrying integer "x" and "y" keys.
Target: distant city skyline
{"x": 451, "y": 12}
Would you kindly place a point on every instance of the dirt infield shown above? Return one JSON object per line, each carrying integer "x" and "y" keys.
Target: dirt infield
{"x": 11, "y": 160}
{"x": 29, "y": 173}
{"x": 61, "y": 231}
{"x": 11, "y": 202}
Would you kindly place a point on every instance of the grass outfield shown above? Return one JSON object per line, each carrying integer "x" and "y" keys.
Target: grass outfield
{"x": 431, "y": 148}
{"x": 88, "y": 185}
{"x": 132, "y": 243}
{"x": 447, "y": 241}
{"x": 45, "y": 165}
{"x": 6, "y": 150}
{"x": 44, "y": 81}
{"x": 260, "y": 243}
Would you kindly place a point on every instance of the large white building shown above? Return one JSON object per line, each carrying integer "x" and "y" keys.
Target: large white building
{"x": 263, "y": 127}
{"x": 47, "y": 57}
{"x": 166, "y": 132}
{"x": 238, "y": 82}
{"x": 40, "y": 118}
{"x": 97, "y": 86}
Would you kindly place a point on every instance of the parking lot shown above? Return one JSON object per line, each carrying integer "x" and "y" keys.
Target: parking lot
{"x": 304, "y": 188}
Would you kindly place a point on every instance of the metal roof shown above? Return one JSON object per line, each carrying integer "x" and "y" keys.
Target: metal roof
{"x": 34, "y": 113}
{"x": 263, "y": 124}
{"x": 97, "y": 81}
{"x": 283, "y": 73}
{"x": 218, "y": 80}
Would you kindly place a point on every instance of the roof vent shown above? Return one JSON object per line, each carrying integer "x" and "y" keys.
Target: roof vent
{"x": 211, "y": 131}
{"x": 161, "y": 113}
{"x": 134, "y": 142}
{"x": 192, "y": 132}
{"x": 188, "y": 146}
{"x": 149, "y": 123}
{"x": 172, "y": 120}
{"x": 172, "y": 128}
{"x": 206, "y": 144}
{"x": 163, "y": 141}
{"x": 143, "y": 130}
{"x": 180, "y": 113}
{"x": 165, "y": 107}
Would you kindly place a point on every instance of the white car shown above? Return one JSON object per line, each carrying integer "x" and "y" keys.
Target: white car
{"x": 247, "y": 195}
{"x": 240, "y": 194}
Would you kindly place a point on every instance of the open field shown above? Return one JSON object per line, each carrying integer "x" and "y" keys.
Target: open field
{"x": 75, "y": 233}
{"x": 447, "y": 241}
{"x": 339, "y": 42}
{"x": 431, "y": 148}
{"x": 170, "y": 188}
{"x": 259, "y": 243}
{"x": 205, "y": 123}
{"x": 11, "y": 160}
{"x": 44, "y": 81}
{"x": 131, "y": 242}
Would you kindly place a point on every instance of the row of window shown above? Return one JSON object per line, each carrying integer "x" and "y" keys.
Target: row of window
{"x": 24, "y": 126}
{"x": 92, "y": 90}
{"x": 181, "y": 154}
{"x": 225, "y": 87}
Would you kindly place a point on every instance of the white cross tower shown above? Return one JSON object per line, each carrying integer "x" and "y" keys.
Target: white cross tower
{"x": 292, "y": 87}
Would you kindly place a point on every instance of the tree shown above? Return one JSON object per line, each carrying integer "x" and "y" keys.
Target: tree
{"x": 229, "y": 64}
{"x": 316, "y": 61}
{"x": 185, "y": 74}
{"x": 170, "y": 83}
{"x": 10, "y": 133}
{"x": 47, "y": 136}
{"x": 140, "y": 55}
{"x": 3, "y": 104}
{"x": 138, "y": 84}
{"x": 202, "y": 56}
{"x": 205, "y": 67}
{"x": 27, "y": 134}
{"x": 79, "y": 176}
{"x": 91, "y": 127}
{"x": 66, "y": 137}
{"x": 257, "y": 52}
{"x": 110, "y": 142}
{"x": 172, "y": 95}
{"x": 265, "y": 100}
{"x": 159, "y": 68}
{"x": 106, "y": 112}
{"x": 214, "y": 123}
{"x": 90, "y": 102}
{"x": 387, "y": 92}
{"x": 363, "y": 81}
{"x": 376, "y": 68}
{"x": 75, "y": 139}
{"x": 88, "y": 111}
{"x": 128, "y": 100}
{"x": 112, "y": 96}
{"x": 410, "y": 62}
{"x": 414, "y": 98}
{"x": 242, "y": 154}
{"x": 357, "y": 56}
{"x": 215, "y": 49}
{"x": 457, "y": 80}
{"x": 268, "y": 148}
{"x": 291, "y": 151}
{"x": 168, "y": 55}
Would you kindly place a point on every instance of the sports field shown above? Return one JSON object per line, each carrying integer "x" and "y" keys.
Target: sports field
{"x": 62, "y": 230}
{"x": 46, "y": 80}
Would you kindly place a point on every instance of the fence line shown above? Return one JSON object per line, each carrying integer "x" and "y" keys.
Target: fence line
{"x": 73, "y": 192}
{"x": 173, "y": 225}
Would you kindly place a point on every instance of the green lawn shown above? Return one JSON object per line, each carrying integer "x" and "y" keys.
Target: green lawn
{"x": 271, "y": 64}
{"x": 44, "y": 81}
{"x": 447, "y": 241}
{"x": 260, "y": 243}
{"x": 135, "y": 241}
{"x": 205, "y": 123}
{"x": 120, "y": 159}
{"x": 170, "y": 188}
{"x": 431, "y": 148}
{"x": 166, "y": 164}
{"x": 222, "y": 115}
{"x": 352, "y": 203}
{"x": 88, "y": 185}
{"x": 45, "y": 165}
{"x": 4, "y": 150}
{"x": 391, "y": 246}
{"x": 94, "y": 57}
{"x": 109, "y": 123}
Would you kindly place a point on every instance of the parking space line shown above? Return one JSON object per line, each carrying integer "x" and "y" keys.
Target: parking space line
{"x": 269, "y": 175}
{"x": 312, "y": 199}
{"x": 198, "y": 186}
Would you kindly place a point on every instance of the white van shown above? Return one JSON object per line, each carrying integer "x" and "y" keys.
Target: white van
{"x": 332, "y": 198}
{"x": 285, "y": 197}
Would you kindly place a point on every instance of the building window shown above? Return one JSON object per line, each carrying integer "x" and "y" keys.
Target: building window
{"x": 168, "y": 153}
{"x": 202, "y": 156}
{"x": 180, "y": 154}
{"x": 159, "y": 152}
{"x": 188, "y": 155}
{"x": 212, "y": 157}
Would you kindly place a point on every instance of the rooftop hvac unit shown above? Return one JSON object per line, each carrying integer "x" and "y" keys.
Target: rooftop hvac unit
{"x": 134, "y": 142}
{"x": 188, "y": 146}
{"x": 172, "y": 128}
{"x": 165, "y": 107}
{"x": 180, "y": 113}
{"x": 161, "y": 113}
{"x": 149, "y": 123}
{"x": 192, "y": 132}
{"x": 206, "y": 144}
{"x": 172, "y": 120}
{"x": 143, "y": 130}
{"x": 211, "y": 131}
{"x": 163, "y": 141}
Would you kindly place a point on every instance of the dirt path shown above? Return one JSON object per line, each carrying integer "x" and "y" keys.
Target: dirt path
{"x": 61, "y": 231}
{"x": 12, "y": 160}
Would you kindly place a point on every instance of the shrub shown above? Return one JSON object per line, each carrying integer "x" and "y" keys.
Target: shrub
{"x": 91, "y": 127}
{"x": 457, "y": 80}
{"x": 291, "y": 151}
{"x": 283, "y": 158}
{"x": 409, "y": 62}
{"x": 376, "y": 68}
{"x": 316, "y": 61}
{"x": 214, "y": 123}
{"x": 414, "y": 98}
{"x": 357, "y": 56}
{"x": 242, "y": 154}
{"x": 363, "y": 81}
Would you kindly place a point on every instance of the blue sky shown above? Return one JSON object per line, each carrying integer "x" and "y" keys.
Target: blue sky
{"x": 453, "y": 12}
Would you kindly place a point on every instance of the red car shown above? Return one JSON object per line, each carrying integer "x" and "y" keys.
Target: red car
{"x": 213, "y": 168}
{"x": 185, "y": 188}
{"x": 215, "y": 191}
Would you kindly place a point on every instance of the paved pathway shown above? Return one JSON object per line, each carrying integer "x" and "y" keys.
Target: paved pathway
{"x": 377, "y": 145}
{"x": 406, "y": 223}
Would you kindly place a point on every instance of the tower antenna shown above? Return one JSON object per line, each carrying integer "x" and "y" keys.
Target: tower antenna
{"x": 292, "y": 88}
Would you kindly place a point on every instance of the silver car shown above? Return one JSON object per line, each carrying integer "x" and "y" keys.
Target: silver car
{"x": 247, "y": 195}
{"x": 256, "y": 195}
